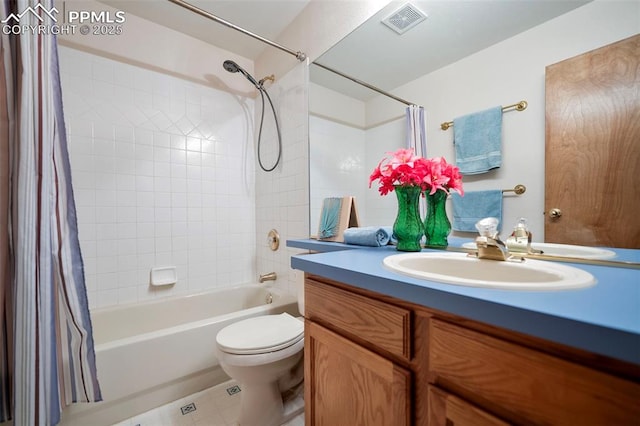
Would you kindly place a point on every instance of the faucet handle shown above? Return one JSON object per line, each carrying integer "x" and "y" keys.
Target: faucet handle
{"x": 521, "y": 229}
{"x": 488, "y": 227}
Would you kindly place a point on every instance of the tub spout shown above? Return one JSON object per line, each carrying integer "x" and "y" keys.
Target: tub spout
{"x": 271, "y": 276}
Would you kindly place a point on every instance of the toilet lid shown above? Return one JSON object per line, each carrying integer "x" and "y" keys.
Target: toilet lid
{"x": 266, "y": 333}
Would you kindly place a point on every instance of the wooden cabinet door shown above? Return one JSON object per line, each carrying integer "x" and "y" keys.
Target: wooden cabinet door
{"x": 348, "y": 385}
{"x": 446, "y": 409}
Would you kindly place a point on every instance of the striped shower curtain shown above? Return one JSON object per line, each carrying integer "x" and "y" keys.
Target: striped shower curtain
{"x": 417, "y": 139}
{"x": 416, "y": 132}
{"x": 48, "y": 359}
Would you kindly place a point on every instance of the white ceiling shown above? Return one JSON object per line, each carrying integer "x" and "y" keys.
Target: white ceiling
{"x": 372, "y": 53}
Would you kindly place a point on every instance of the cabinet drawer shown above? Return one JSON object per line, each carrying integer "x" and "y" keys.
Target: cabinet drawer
{"x": 524, "y": 385}
{"x": 381, "y": 324}
{"x": 446, "y": 409}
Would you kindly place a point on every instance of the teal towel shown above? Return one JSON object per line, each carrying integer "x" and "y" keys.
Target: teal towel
{"x": 374, "y": 236}
{"x": 478, "y": 141}
{"x": 330, "y": 217}
{"x": 475, "y": 205}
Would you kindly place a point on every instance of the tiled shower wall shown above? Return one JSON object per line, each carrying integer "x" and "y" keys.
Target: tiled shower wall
{"x": 337, "y": 166}
{"x": 342, "y": 159}
{"x": 163, "y": 174}
{"x": 282, "y": 196}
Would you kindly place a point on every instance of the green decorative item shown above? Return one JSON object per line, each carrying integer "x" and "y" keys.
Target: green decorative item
{"x": 408, "y": 175}
{"x": 408, "y": 228}
{"x": 436, "y": 225}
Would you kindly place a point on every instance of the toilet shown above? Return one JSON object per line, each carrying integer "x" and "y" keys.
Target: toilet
{"x": 264, "y": 355}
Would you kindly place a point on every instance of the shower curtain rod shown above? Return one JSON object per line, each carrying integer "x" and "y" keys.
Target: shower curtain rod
{"x": 365, "y": 84}
{"x": 299, "y": 55}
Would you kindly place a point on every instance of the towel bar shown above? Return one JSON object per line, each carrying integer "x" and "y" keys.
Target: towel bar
{"x": 518, "y": 189}
{"x": 520, "y": 106}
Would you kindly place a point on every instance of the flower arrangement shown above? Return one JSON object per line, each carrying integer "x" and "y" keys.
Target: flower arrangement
{"x": 409, "y": 176}
{"x": 405, "y": 168}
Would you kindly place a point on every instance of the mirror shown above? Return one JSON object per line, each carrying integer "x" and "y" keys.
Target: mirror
{"x": 464, "y": 57}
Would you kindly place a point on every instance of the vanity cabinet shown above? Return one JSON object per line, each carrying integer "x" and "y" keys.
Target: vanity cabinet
{"x": 345, "y": 382}
{"x": 374, "y": 360}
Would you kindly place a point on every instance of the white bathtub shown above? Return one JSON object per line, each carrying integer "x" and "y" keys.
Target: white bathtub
{"x": 149, "y": 354}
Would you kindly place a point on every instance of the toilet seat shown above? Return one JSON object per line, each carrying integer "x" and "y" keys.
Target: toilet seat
{"x": 259, "y": 335}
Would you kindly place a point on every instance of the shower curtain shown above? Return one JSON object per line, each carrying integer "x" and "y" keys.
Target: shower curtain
{"x": 417, "y": 139}
{"x": 48, "y": 359}
{"x": 416, "y": 133}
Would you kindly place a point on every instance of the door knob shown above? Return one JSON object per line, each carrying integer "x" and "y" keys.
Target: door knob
{"x": 555, "y": 213}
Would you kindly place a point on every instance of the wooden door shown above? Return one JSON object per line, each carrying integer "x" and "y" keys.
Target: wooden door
{"x": 593, "y": 147}
{"x": 446, "y": 409}
{"x": 348, "y": 385}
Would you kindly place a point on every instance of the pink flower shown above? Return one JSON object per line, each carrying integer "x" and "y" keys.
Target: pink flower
{"x": 442, "y": 176}
{"x": 405, "y": 168}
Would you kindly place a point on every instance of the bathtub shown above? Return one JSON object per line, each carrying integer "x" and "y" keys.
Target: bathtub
{"x": 152, "y": 353}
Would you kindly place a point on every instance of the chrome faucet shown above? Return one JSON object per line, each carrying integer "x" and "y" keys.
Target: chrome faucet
{"x": 519, "y": 242}
{"x": 271, "y": 276}
{"x": 489, "y": 244}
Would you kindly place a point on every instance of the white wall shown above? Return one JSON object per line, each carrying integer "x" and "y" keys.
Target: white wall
{"x": 506, "y": 73}
{"x": 142, "y": 201}
{"x": 151, "y": 46}
{"x": 282, "y": 196}
{"x": 161, "y": 145}
{"x": 337, "y": 168}
{"x": 162, "y": 176}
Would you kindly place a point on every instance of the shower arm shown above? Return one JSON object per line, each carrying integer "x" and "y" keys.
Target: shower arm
{"x": 300, "y": 56}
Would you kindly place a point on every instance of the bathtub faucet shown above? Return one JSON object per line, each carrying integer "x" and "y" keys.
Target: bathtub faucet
{"x": 271, "y": 276}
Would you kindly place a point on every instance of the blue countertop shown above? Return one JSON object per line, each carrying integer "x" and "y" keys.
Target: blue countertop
{"x": 603, "y": 319}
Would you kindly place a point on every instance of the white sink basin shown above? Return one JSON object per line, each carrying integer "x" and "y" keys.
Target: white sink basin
{"x": 564, "y": 250}
{"x": 460, "y": 269}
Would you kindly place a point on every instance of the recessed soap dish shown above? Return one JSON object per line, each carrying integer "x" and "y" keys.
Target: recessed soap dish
{"x": 165, "y": 275}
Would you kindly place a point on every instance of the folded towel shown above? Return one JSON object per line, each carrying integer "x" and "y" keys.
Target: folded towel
{"x": 478, "y": 140}
{"x": 374, "y": 236}
{"x": 475, "y": 205}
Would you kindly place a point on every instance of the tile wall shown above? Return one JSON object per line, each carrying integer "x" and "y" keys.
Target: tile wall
{"x": 282, "y": 196}
{"x": 337, "y": 167}
{"x": 163, "y": 174}
{"x": 342, "y": 159}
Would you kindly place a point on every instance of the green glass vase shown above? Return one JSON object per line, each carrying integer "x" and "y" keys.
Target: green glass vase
{"x": 436, "y": 224}
{"x": 408, "y": 228}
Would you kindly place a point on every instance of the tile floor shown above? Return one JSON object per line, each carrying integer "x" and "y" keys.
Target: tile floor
{"x": 216, "y": 406}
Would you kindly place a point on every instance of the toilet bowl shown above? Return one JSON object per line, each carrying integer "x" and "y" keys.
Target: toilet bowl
{"x": 264, "y": 355}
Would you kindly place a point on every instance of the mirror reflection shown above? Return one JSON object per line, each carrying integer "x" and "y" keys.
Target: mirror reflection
{"x": 455, "y": 62}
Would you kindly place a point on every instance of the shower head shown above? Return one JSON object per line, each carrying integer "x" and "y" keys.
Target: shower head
{"x": 232, "y": 67}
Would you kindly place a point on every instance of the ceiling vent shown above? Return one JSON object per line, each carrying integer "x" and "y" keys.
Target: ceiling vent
{"x": 405, "y": 18}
